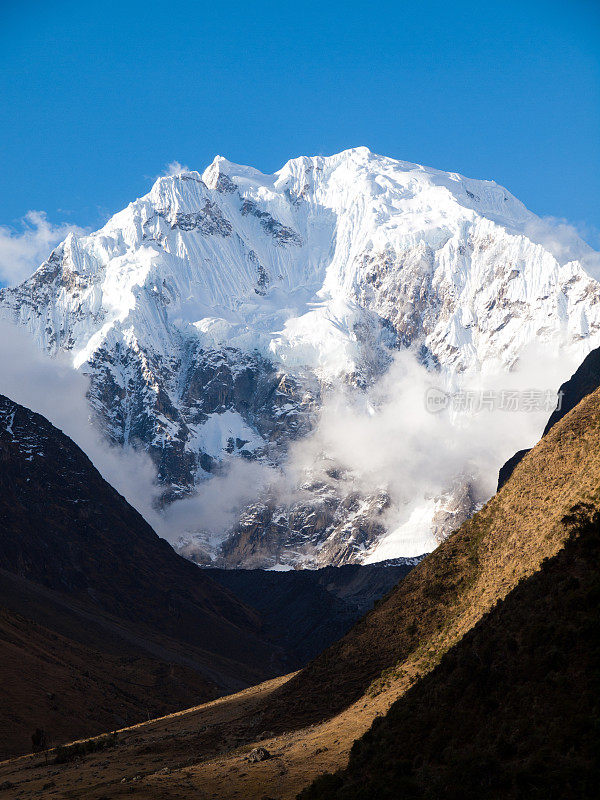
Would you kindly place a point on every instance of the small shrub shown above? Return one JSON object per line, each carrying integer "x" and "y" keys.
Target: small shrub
{"x": 69, "y": 752}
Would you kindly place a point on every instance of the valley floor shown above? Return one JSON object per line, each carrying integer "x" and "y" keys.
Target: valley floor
{"x": 202, "y": 753}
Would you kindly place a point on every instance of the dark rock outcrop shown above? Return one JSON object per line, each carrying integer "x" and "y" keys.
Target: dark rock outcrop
{"x": 304, "y": 611}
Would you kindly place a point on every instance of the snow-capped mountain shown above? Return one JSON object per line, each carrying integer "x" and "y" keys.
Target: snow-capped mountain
{"x": 214, "y": 314}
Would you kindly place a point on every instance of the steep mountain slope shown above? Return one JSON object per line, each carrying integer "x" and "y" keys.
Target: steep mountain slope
{"x": 308, "y": 722}
{"x": 65, "y": 528}
{"x": 214, "y": 314}
{"x": 511, "y": 711}
{"x": 474, "y": 568}
{"x": 584, "y": 381}
{"x": 101, "y": 586}
{"x": 79, "y": 682}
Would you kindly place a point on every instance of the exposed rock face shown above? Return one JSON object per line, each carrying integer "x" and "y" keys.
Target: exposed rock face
{"x": 452, "y": 510}
{"x": 584, "y": 381}
{"x": 258, "y": 754}
{"x": 326, "y": 527}
{"x": 215, "y": 313}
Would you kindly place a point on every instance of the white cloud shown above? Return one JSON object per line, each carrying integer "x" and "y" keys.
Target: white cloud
{"x": 52, "y": 387}
{"x": 566, "y": 242}
{"x": 383, "y": 438}
{"x": 23, "y": 250}
{"x": 174, "y": 168}
{"x": 216, "y": 506}
{"x": 386, "y": 439}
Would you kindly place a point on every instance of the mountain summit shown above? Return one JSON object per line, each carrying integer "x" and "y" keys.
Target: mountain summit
{"x": 214, "y": 314}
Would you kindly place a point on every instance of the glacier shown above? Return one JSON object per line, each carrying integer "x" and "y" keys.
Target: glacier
{"x": 217, "y": 315}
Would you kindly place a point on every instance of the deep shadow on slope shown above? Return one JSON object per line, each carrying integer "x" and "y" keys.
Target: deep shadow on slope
{"x": 84, "y": 578}
{"x": 64, "y": 527}
{"x": 69, "y": 689}
{"x": 304, "y": 611}
{"x": 311, "y": 719}
{"x": 103, "y": 624}
{"x": 511, "y": 711}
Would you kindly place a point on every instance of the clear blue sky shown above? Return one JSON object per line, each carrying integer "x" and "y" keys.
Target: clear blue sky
{"x": 98, "y": 97}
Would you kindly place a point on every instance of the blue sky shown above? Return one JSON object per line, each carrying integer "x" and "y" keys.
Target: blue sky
{"x": 98, "y": 98}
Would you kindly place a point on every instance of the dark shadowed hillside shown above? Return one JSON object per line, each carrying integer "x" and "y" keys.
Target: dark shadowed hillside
{"x": 104, "y": 624}
{"x": 304, "y": 611}
{"x": 102, "y": 621}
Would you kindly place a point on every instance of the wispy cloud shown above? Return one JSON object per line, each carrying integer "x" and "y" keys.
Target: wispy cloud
{"x": 51, "y": 387}
{"x": 567, "y": 242}
{"x": 175, "y": 167}
{"x": 386, "y": 438}
{"x": 24, "y": 248}
{"x": 382, "y": 439}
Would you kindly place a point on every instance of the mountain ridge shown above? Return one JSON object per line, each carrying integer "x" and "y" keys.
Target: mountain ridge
{"x": 83, "y": 612}
{"x": 582, "y": 382}
{"x": 510, "y": 709}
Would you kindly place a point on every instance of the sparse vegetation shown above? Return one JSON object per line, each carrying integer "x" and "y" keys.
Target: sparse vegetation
{"x": 70, "y": 752}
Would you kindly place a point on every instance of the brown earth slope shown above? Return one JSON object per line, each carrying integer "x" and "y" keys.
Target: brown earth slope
{"x": 103, "y": 590}
{"x": 309, "y": 721}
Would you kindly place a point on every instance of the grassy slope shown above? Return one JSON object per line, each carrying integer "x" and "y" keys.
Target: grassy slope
{"x": 513, "y": 710}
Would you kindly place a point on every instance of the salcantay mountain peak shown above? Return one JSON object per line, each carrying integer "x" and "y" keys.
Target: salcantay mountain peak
{"x": 216, "y": 315}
